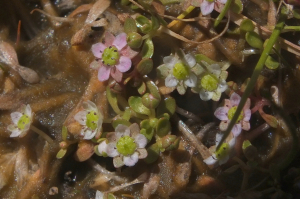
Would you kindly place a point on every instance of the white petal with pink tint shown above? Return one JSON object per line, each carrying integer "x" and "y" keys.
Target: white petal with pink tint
{"x": 131, "y": 160}
{"x": 221, "y": 113}
{"x": 170, "y": 61}
{"x": 98, "y": 49}
{"x": 222, "y": 1}
{"x": 112, "y": 150}
{"x": 103, "y": 73}
{"x": 109, "y": 38}
{"x": 15, "y": 117}
{"x": 120, "y": 41}
{"x": 124, "y": 64}
{"x": 140, "y": 140}
{"x": 191, "y": 80}
{"x": 235, "y": 99}
{"x": 190, "y": 60}
{"x": 236, "y": 130}
{"x": 247, "y": 115}
{"x": 80, "y": 117}
{"x": 207, "y": 7}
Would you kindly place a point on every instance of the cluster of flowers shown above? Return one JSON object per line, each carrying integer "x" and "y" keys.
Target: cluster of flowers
{"x": 127, "y": 145}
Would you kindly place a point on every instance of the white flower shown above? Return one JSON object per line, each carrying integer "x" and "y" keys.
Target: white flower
{"x": 211, "y": 82}
{"x": 222, "y": 155}
{"x": 178, "y": 73}
{"x": 207, "y": 6}
{"x": 21, "y": 121}
{"x": 91, "y": 120}
{"x": 126, "y": 145}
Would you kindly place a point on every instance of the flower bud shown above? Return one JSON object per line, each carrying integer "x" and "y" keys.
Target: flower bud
{"x": 134, "y": 40}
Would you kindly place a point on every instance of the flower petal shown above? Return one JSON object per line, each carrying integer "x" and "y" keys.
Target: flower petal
{"x": 140, "y": 140}
{"x": 222, "y": 86}
{"x": 142, "y": 153}
{"x": 103, "y": 73}
{"x": 171, "y": 81}
{"x": 222, "y": 1}
{"x": 89, "y": 134}
{"x": 28, "y": 110}
{"x": 223, "y": 125}
{"x": 191, "y": 80}
{"x": 98, "y": 49}
{"x": 247, "y": 115}
{"x": 120, "y": 41}
{"x": 207, "y": 7}
{"x": 112, "y": 150}
{"x": 247, "y": 104}
{"x": 218, "y": 138}
{"x": 221, "y": 113}
{"x": 109, "y": 38}
{"x": 235, "y": 99}
{"x": 116, "y": 74}
{"x": 232, "y": 143}
{"x": 131, "y": 160}
{"x": 205, "y": 95}
{"x": 99, "y": 195}
{"x": 80, "y": 117}
{"x": 246, "y": 125}
{"x": 15, "y": 117}
{"x": 210, "y": 160}
{"x": 124, "y": 64}
{"x": 102, "y": 147}
{"x": 190, "y": 60}
{"x": 15, "y": 131}
{"x": 118, "y": 161}
{"x": 170, "y": 61}
{"x": 215, "y": 69}
{"x": 128, "y": 52}
{"x": 122, "y": 129}
{"x": 236, "y": 130}
{"x": 89, "y": 106}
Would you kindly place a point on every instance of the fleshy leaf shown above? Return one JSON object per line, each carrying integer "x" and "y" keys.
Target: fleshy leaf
{"x": 61, "y": 153}
{"x": 247, "y": 25}
{"x": 142, "y": 88}
{"x": 153, "y": 154}
{"x": 145, "y": 66}
{"x": 64, "y": 133}
{"x": 163, "y": 127}
{"x": 129, "y": 25}
{"x": 237, "y": 6}
{"x": 112, "y": 99}
{"x": 136, "y": 104}
{"x": 117, "y": 121}
{"x": 148, "y": 49}
{"x": 155, "y": 23}
{"x": 151, "y": 86}
{"x": 168, "y": 105}
{"x": 271, "y": 63}
{"x": 254, "y": 40}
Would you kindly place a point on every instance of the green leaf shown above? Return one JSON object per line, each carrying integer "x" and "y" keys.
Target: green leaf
{"x": 155, "y": 23}
{"x": 148, "y": 49}
{"x": 142, "y": 88}
{"x": 148, "y": 133}
{"x": 129, "y": 25}
{"x": 153, "y": 89}
{"x": 64, "y": 133}
{"x": 237, "y": 6}
{"x": 254, "y": 40}
{"x": 271, "y": 63}
{"x": 61, "y": 153}
{"x": 112, "y": 99}
{"x": 200, "y": 57}
{"x": 163, "y": 127}
{"x": 145, "y": 66}
{"x": 162, "y": 71}
{"x": 143, "y": 24}
{"x": 117, "y": 121}
{"x": 168, "y": 105}
{"x": 247, "y": 25}
{"x": 153, "y": 154}
{"x": 136, "y": 104}
{"x": 134, "y": 40}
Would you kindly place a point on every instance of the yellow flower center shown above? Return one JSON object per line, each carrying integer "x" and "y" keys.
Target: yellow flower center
{"x": 181, "y": 71}
{"x": 126, "y": 145}
{"x": 231, "y": 113}
{"x": 110, "y": 56}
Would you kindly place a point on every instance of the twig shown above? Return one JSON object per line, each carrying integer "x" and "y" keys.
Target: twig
{"x": 42, "y": 134}
{"x": 189, "y": 115}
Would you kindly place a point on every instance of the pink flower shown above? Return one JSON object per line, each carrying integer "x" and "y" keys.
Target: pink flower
{"x": 226, "y": 113}
{"x": 207, "y": 6}
{"x": 113, "y": 57}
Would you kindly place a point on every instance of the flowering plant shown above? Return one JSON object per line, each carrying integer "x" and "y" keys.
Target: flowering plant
{"x": 227, "y": 112}
{"x": 178, "y": 72}
{"x": 113, "y": 57}
{"x": 21, "y": 121}
{"x": 91, "y": 120}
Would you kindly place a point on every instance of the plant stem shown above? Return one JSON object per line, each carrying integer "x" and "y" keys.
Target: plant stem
{"x": 181, "y": 16}
{"x": 41, "y": 133}
{"x": 222, "y": 13}
{"x": 258, "y": 68}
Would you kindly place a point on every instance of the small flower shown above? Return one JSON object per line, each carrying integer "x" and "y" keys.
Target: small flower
{"x": 126, "y": 145}
{"x": 178, "y": 73}
{"x": 212, "y": 81}
{"x": 91, "y": 120}
{"x": 21, "y": 121}
{"x": 113, "y": 57}
{"x": 222, "y": 155}
{"x": 207, "y": 6}
{"x": 227, "y": 112}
